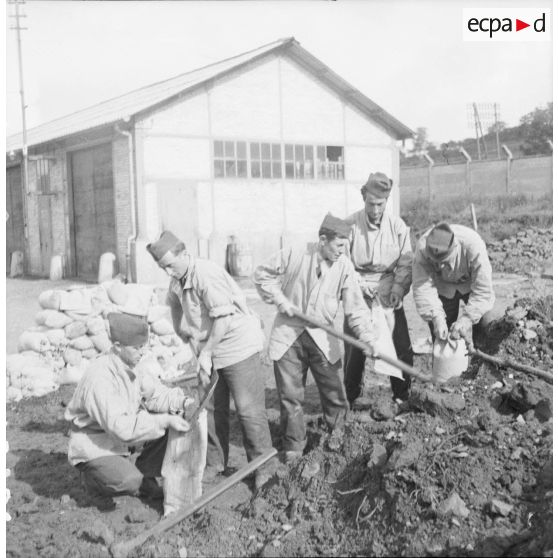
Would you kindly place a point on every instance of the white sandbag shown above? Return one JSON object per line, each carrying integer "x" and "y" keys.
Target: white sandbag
{"x": 95, "y": 325}
{"x": 77, "y": 300}
{"x": 72, "y": 357}
{"x": 81, "y": 343}
{"x": 56, "y": 337}
{"x": 157, "y": 312}
{"x": 72, "y": 374}
{"x": 117, "y": 292}
{"x": 162, "y": 327}
{"x": 183, "y": 356}
{"x": 13, "y": 395}
{"x": 101, "y": 342}
{"x": 38, "y": 373}
{"x": 40, "y": 329}
{"x": 90, "y": 353}
{"x": 166, "y": 340}
{"x": 383, "y": 321}
{"x": 148, "y": 371}
{"x": 52, "y": 319}
{"x": 50, "y": 300}
{"x": 39, "y": 388}
{"x": 77, "y": 317}
{"x": 34, "y": 341}
{"x": 75, "y": 330}
{"x": 15, "y": 363}
{"x": 138, "y": 299}
{"x": 183, "y": 465}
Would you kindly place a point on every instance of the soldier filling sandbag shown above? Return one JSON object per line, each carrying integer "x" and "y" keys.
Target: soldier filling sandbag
{"x": 109, "y": 412}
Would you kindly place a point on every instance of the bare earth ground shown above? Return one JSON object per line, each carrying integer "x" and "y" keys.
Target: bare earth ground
{"x": 380, "y": 491}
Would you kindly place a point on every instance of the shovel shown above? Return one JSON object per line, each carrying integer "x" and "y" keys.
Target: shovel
{"x": 124, "y": 548}
{"x": 366, "y": 349}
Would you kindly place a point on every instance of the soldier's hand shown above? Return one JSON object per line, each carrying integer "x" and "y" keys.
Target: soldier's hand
{"x": 440, "y": 328}
{"x": 368, "y": 292}
{"x": 371, "y": 341}
{"x": 462, "y": 328}
{"x": 285, "y": 307}
{"x": 176, "y": 422}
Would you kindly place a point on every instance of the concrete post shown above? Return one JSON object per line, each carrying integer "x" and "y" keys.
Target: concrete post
{"x": 509, "y": 158}
{"x": 468, "y": 182}
{"x": 430, "y": 165}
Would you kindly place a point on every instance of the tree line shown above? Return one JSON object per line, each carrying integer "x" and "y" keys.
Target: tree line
{"x": 532, "y": 137}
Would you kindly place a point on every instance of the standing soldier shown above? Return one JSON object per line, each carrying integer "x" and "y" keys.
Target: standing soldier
{"x": 314, "y": 280}
{"x": 381, "y": 252}
{"x": 209, "y": 310}
{"x": 451, "y": 265}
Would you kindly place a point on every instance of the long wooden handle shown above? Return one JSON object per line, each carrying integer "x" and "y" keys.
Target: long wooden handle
{"x": 362, "y": 346}
{"x": 122, "y": 549}
{"x": 507, "y": 363}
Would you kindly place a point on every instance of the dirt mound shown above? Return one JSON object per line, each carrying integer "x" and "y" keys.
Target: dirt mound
{"x": 529, "y": 250}
{"x": 463, "y": 469}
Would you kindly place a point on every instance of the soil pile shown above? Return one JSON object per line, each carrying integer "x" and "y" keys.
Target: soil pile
{"x": 529, "y": 250}
{"x": 463, "y": 469}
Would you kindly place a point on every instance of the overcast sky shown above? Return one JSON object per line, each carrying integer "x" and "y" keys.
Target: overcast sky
{"x": 406, "y": 55}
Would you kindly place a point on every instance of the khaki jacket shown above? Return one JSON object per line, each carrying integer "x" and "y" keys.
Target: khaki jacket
{"x": 382, "y": 255}
{"x": 465, "y": 269}
{"x": 109, "y": 412}
{"x": 292, "y": 275}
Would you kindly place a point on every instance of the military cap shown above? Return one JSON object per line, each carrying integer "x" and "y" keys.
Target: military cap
{"x": 163, "y": 246}
{"x": 378, "y": 184}
{"x": 439, "y": 240}
{"x": 336, "y": 225}
{"x": 128, "y": 330}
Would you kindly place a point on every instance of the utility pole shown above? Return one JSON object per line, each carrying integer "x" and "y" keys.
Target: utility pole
{"x": 25, "y": 160}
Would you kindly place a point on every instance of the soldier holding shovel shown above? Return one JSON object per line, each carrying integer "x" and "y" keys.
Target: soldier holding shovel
{"x": 209, "y": 310}
{"x": 314, "y": 280}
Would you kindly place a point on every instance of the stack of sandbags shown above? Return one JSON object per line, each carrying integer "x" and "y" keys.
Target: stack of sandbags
{"x": 71, "y": 329}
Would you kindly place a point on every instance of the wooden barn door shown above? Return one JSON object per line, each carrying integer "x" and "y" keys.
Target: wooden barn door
{"x": 15, "y": 233}
{"x": 93, "y": 208}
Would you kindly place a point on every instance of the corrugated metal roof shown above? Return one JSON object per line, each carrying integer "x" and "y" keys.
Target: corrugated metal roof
{"x": 136, "y": 101}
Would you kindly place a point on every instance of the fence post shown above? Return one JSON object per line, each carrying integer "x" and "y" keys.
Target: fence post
{"x": 468, "y": 183}
{"x": 430, "y": 165}
{"x": 509, "y": 158}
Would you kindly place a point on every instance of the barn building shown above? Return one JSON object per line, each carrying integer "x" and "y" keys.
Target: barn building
{"x": 259, "y": 146}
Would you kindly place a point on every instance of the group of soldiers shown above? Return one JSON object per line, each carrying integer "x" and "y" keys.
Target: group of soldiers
{"x": 363, "y": 263}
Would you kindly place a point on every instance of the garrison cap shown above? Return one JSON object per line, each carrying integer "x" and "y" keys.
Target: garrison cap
{"x": 336, "y": 225}
{"x": 378, "y": 184}
{"x": 439, "y": 240}
{"x": 128, "y": 330}
{"x": 161, "y": 247}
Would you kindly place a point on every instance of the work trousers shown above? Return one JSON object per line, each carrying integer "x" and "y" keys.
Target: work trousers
{"x": 116, "y": 474}
{"x": 355, "y": 360}
{"x": 451, "y": 308}
{"x": 290, "y": 376}
{"x": 243, "y": 380}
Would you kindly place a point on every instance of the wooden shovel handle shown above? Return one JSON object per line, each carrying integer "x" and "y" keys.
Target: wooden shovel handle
{"x": 123, "y": 549}
{"x": 362, "y": 346}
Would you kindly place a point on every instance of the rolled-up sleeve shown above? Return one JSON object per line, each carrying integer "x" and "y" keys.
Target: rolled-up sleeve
{"x": 403, "y": 271}
{"x": 109, "y": 409}
{"x": 429, "y": 305}
{"x": 268, "y": 277}
{"x": 482, "y": 297}
{"x": 162, "y": 399}
{"x": 217, "y": 295}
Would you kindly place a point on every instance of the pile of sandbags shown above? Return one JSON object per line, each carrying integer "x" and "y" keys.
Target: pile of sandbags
{"x": 72, "y": 328}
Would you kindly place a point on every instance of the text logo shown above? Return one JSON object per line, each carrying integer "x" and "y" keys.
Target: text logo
{"x": 501, "y": 24}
